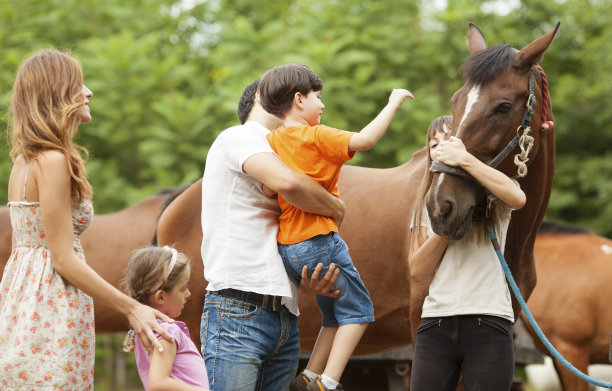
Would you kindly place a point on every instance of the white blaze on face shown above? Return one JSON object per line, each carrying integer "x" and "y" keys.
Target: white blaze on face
{"x": 472, "y": 98}
{"x": 437, "y": 208}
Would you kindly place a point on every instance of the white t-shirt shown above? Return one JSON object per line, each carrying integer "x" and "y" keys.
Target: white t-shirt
{"x": 469, "y": 279}
{"x": 239, "y": 222}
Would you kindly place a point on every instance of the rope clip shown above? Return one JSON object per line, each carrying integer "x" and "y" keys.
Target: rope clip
{"x": 531, "y": 104}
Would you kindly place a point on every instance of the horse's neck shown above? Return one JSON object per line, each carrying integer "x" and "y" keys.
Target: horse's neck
{"x": 525, "y": 222}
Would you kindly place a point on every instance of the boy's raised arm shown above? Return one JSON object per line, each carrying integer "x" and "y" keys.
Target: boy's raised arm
{"x": 369, "y": 136}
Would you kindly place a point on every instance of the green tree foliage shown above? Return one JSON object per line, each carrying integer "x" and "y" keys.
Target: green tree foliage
{"x": 167, "y": 74}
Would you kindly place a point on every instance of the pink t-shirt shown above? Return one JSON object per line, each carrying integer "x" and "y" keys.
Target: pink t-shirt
{"x": 188, "y": 364}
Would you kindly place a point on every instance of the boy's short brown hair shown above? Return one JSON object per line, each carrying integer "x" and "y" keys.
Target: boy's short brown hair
{"x": 279, "y": 85}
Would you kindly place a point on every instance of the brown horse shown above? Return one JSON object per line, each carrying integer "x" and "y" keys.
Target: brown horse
{"x": 380, "y": 201}
{"x": 108, "y": 244}
{"x": 489, "y": 113}
{"x": 571, "y": 301}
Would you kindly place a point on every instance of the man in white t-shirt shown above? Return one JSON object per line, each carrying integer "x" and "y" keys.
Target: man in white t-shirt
{"x": 249, "y": 330}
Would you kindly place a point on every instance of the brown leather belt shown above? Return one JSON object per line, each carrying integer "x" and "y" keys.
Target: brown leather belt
{"x": 269, "y": 302}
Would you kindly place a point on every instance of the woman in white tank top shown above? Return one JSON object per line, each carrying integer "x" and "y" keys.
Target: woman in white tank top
{"x": 467, "y": 315}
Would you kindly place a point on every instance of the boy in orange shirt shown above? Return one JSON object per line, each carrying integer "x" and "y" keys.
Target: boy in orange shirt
{"x": 293, "y": 93}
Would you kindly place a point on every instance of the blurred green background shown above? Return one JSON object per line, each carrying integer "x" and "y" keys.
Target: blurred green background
{"x": 166, "y": 77}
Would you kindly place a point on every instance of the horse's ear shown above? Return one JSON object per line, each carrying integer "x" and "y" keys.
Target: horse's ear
{"x": 475, "y": 39}
{"x": 532, "y": 53}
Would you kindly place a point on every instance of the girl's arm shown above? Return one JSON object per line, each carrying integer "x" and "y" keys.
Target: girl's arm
{"x": 424, "y": 256}
{"x": 453, "y": 153}
{"x": 53, "y": 181}
{"x": 369, "y": 136}
{"x": 161, "y": 368}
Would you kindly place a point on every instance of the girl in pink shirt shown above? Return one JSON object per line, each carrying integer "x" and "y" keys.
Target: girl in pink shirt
{"x": 158, "y": 277}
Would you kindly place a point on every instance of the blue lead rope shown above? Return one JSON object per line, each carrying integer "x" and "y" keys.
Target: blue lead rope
{"x": 533, "y": 322}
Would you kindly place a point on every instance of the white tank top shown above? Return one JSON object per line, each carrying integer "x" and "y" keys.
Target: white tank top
{"x": 469, "y": 279}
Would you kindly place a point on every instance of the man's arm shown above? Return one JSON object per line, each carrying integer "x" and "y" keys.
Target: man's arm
{"x": 297, "y": 188}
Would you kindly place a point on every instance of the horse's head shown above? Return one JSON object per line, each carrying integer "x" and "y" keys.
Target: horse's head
{"x": 488, "y": 112}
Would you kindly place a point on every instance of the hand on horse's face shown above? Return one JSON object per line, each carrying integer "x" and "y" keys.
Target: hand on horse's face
{"x": 452, "y": 152}
{"x": 323, "y": 286}
{"x": 437, "y": 138}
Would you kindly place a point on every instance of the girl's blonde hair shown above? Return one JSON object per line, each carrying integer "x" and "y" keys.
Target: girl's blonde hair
{"x": 44, "y": 113}
{"x": 147, "y": 272}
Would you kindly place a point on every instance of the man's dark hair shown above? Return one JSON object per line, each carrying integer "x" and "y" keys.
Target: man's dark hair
{"x": 247, "y": 99}
{"x": 279, "y": 85}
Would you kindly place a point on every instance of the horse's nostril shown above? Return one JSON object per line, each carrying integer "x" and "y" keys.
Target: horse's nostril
{"x": 446, "y": 209}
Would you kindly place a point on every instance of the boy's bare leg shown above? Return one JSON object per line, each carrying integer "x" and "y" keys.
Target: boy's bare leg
{"x": 320, "y": 352}
{"x": 346, "y": 340}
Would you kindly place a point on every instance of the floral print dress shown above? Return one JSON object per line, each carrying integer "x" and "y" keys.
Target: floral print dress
{"x": 47, "y": 338}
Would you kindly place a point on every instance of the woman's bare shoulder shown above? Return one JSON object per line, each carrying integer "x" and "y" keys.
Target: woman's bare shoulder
{"x": 51, "y": 157}
{"x": 51, "y": 164}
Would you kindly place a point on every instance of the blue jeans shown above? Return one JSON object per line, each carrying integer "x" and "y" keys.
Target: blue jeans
{"x": 354, "y": 305}
{"x": 247, "y": 347}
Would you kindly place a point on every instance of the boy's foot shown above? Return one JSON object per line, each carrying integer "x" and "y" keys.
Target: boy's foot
{"x": 316, "y": 385}
{"x": 300, "y": 383}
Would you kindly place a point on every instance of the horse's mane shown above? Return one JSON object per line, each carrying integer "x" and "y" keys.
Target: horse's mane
{"x": 482, "y": 66}
{"x": 174, "y": 192}
{"x": 169, "y": 190}
{"x": 555, "y": 228}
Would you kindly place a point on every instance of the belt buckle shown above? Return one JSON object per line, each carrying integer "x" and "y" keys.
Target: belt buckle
{"x": 274, "y": 303}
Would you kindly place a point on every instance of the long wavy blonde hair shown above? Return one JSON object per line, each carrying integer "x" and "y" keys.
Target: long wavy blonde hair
{"x": 44, "y": 113}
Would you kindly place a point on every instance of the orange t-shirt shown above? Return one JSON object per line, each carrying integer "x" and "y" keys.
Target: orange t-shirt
{"x": 319, "y": 152}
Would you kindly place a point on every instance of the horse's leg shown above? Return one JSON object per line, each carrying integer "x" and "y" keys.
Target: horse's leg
{"x": 579, "y": 357}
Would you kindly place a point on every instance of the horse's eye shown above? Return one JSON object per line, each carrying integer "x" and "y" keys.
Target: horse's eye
{"x": 502, "y": 108}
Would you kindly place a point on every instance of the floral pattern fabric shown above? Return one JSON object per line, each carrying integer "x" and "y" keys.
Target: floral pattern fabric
{"x": 47, "y": 336}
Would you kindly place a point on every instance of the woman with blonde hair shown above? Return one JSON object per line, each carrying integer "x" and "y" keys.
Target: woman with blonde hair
{"x": 46, "y": 306}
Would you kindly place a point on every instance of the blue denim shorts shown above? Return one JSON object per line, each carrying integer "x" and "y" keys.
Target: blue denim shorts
{"x": 354, "y": 304}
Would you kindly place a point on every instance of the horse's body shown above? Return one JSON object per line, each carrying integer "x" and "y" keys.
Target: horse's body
{"x": 108, "y": 244}
{"x": 6, "y": 232}
{"x": 571, "y": 301}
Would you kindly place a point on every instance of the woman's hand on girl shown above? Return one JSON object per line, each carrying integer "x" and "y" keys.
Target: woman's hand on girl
{"x": 143, "y": 321}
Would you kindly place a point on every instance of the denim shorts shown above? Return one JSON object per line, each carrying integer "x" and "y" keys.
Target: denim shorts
{"x": 354, "y": 304}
